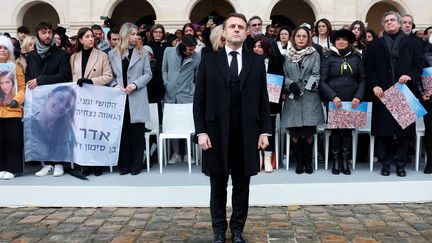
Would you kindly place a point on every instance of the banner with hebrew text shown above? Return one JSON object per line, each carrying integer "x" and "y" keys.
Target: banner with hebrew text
{"x": 67, "y": 123}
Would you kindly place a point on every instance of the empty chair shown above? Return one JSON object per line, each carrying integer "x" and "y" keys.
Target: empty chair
{"x": 177, "y": 123}
{"x": 153, "y": 126}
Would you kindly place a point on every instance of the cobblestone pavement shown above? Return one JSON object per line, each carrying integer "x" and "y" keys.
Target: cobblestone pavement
{"x": 339, "y": 223}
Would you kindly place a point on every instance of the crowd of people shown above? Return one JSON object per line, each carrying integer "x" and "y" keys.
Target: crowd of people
{"x": 221, "y": 68}
{"x": 150, "y": 65}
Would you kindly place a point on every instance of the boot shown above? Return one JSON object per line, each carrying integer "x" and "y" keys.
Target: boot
{"x": 307, "y": 155}
{"x": 335, "y": 148}
{"x": 346, "y": 148}
{"x": 428, "y": 145}
{"x": 267, "y": 162}
{"x": 298, "y": 154}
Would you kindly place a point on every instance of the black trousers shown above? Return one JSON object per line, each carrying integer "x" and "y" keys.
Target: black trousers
{"x": 11, "y": 145}
{"x": 385, "y": 147}
{"x": 240, "y": 191}
{"x": 131, "y": 155}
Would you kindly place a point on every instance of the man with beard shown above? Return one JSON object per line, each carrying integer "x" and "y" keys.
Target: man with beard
{"x": 47, "y": 64}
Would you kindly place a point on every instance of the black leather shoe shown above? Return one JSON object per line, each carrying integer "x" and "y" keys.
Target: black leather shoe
{"x": 98, "y": 171}
{"x": 237, "y": 237}
{"x": 218, "y": 238}
{"x": 124, "y": 172}
{"x": 135, "y": 172}
{"x": 428, "y": 168}
{"x": 400, "y": 172}
{"x": 86, "y": 171}
{"x": 385, "y": 171}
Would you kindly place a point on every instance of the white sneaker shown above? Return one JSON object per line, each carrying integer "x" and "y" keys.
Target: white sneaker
{"x": 46, "y": 169}
{"x": 8, "y": 176}
{"x": 2, "y": 174}
{"x": 175, "y": 158}
{"x": 58, "y": 170}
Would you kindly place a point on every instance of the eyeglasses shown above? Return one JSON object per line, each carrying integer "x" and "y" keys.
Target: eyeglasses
{"x": 255, "y": 25}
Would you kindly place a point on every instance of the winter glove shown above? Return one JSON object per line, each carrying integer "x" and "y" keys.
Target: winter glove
{"x": 82, "y": 81}
{"x": 13, "y": 104}
{"x": 294, "y": 88}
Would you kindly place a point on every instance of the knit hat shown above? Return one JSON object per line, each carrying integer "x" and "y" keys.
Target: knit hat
{"x": 6, "y": 42}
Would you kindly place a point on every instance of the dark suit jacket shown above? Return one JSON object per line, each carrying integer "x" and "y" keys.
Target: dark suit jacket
{"x": 378, "y": 70}
{"x": 212, "y": 111}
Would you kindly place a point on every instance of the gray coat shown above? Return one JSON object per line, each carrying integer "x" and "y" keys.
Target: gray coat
{"x": 139, "y": 73}
{"x": 179, "y": 78}
{"x": 305, "y": 110}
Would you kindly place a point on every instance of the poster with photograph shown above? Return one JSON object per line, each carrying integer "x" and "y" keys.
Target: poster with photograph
{"x": 427, "y": 80}
{"x": 274, "y": 87}
{"x": 346, "y": 116}
{"x": 403, "y": 105}
{"x": 8, "y": 83}
{"x": 67, "y": 123}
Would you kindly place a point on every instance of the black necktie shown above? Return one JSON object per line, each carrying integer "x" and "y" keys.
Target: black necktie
{"x": 234, "y": 66}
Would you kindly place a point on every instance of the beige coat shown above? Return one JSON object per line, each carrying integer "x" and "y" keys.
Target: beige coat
{"x": 98, "y": 67}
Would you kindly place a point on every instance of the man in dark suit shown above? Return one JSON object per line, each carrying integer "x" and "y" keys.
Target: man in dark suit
{"x": 232, "y": 120}
{"x": 393, "y": 58}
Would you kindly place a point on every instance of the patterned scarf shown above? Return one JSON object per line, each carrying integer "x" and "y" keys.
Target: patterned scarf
{"x": 294, "y": 55}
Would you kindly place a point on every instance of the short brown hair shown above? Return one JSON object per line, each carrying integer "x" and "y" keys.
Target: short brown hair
{"x": 295, "y": 32}
{"x": 235, "y": 15}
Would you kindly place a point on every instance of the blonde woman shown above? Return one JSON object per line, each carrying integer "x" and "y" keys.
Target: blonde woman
{"x": 26, "y": 47}
{"x": 11, "y": 128}
{"x": 131, "y": 73}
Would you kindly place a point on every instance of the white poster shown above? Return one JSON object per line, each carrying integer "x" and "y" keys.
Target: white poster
{"x": 64, "y": 122}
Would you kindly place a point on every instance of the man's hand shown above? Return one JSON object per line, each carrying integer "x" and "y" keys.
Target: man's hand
{"x": 130, "y": 88}
{"x": 204, "y": 141}
{"x": 337, "y": 102}
{"x": 263, "y": 142}
{"x": 32, "y": 84}
{"x": 404, "y": 79}
{"x": 355, "y": 102}
{"x": 378, "y": 92}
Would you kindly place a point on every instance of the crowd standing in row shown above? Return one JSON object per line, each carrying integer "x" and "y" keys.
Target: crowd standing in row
{"x": 151, "y": 66}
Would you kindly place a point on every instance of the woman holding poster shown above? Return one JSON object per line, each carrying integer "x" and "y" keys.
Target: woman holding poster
{"x": 343, "y": 78}
{"x": 91, "y": 66}
{"x": 302, "y": 111}
{"x": 12, "y": 97}
{"x": 274, "y": 65}
{"x": 132, "y": 72}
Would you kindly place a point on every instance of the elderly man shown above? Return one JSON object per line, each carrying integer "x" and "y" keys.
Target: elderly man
{"x": 391, "y": 59}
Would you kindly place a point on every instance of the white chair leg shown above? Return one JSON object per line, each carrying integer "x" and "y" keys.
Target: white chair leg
{"x": 354, "y": 148}
{"x": 189, "y": 154}
{"x": 417, "y": 152}
{"x": 147, "y": 138}
{"x": 371, "y": 151}
{"x": 111, "y": 169}
{"x": 277, "y": 148}
{"x": 316, "y": 150}
{"x": 287, "y": 141}
{"x": 326, "y": 148}
{"x": 72, "y": 165}
{"x": 160, "y": 151}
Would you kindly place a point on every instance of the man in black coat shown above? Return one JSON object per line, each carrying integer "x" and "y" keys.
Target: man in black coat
{"x": 232, "y": 120}
{"x": 47, "y": 64}
{"x": 391, "y": 59}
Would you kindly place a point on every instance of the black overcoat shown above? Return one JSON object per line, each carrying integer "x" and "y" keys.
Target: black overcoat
{"x": 379, "y": 74}
{"x": 212, "y": 109}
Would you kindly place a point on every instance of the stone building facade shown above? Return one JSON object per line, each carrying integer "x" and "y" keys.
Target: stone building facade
{"x": 174, "y": 13}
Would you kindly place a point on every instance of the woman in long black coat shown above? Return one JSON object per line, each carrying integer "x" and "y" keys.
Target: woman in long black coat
{"x": 343, "y": 78}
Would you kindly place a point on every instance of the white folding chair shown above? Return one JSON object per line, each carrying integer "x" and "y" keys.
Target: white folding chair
{"x": 365, "y": 130}
{"x": 420, "y": 132}
{"x": 177, "y": 123}
{"x": 153, "y": 125}
{"x": 277, "y": 137}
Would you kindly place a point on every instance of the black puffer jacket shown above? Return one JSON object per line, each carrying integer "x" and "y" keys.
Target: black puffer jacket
{"x": 343, "y": 77}
{"x": 427, "y": 50}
